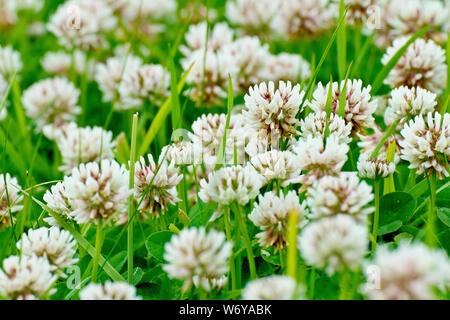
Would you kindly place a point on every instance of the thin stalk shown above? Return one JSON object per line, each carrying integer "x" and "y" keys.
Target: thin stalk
{"x": 376, "y": 215}
{"x": 98, "y": 250}
{"x": 226, "y": 219}
{"x": 344, "y": 285}
{"x": 383, "y": 140}
{"x": 312, "y": 283}
{"x": 292, "y": 252}
{"x": 130, "y": 243}
{"x": 430, "y": 238}
{"x": 185, "y": 193}
{"x": 247, "y": 242}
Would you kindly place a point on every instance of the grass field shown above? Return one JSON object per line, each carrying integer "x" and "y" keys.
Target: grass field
{"x": 252, "y": 176}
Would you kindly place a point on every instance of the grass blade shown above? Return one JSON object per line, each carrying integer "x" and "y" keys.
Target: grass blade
{"x": 160, "y": 117}
{"x": 342, "y": 42}
{"x": 223, "y": 145}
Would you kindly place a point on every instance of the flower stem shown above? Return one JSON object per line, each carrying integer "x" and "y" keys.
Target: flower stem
{"x": 98, "y": 250}
{"x": 185, "y": 195}
{"x": 226, "y": 219}
{"x": 247, "y": 242}
{"x": 292, "y": 252}
{"x": 344, "y": 285}
{"x": 430, "y": 238}
{"x": 376, "y": 215}
{"x": 383, "y": 140}
{"x": 130, "y": 243}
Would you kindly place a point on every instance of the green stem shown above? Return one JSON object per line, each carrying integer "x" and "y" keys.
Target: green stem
{"x": 383, "y": 140}
{"x": 98, "y": 250}
{"x": 292, "y": 252}
{"x": 185, "y": 195}
{"x": 226, "y": 219}
{"x": 430, "y": 238}
{"x": 344, "y": 285}
{"x": 130, "y": 243}
{"x": 312, "y": 282}
{"x": 376, "y": 215}
{"x": 247, "y": 242}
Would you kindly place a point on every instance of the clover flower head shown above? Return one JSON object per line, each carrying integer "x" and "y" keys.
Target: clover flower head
{"x": 359, "y": 108}
{"x": 426, "y": 143}
{"x": 410, "y": 272}
{"x": 229, "y": 184}
{"x": 194, "y": 252}
{"x": 274, "y": 287}
{"x": 58, "y": 246}
{"x": 271, "y": 215}
{"x": 98, "y": 192}
{"x": 273, "y": 111}
{"x": 422, "y": 65}
{"x": 155, "y": 185}
{"x": 26, "y": 278}
{"x": 342, "y": 194}
{"x": 109, "y": 291}
{"x": 334, "y": 243}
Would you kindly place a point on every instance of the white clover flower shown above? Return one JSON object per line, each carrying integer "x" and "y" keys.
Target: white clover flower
{"x": 334, "y": 243}
{"x": 197, "y": 253}
{"x": 406, "y": 17}
{"x": 182, "y": 153}
{"x": 405, "y": 103}
{"x": 3, "y": 89}
{"x": 281, "y": 166}
{"x": 144, "y": 83}
{"x": 426, "y": 145}
{"x": 274, "y": 287}
{"x": 359, "y": 108}
{"x": 109, "y": 291}
{"x": 155, "y": 186}
{"x": 58, "y": 246}
{"x": 80, "y": 23}
{"x": 56, "y": 62}
{"x": 250, "y": 58}
{"x": 343, "y": 194}
{"x": 271, "y": 215}
{"x": 83, "y": 145}
{"x": 208, "y": 132}
{"x": 319, "y": 159}
{"x": 26, "y": 278}
{"x": 57, "y": 199}
{"x": 220, "y": 35}
{"x": 8, "y": 14}
{"x": 10, "y": 199}
{"x": 272, "y": 112}
{"x": 229, "y": 184}
{"x": 374, "y": 168}
{"x": 10, "y": 62}
{"x": 98, "y": 192}
{"x": 410, "y": 272}
{"x": 210, "y": 283}
{"x": 51, "y": 101}
{"x": 209, "y": 75}
{"x": 314, "y": 125}
{"x": 368, "y": 143}
{"x": 286, "y": 67}
{"x": 422, "y": 65}
{"x": 110, "y": 74}
{"x": 252, "y": 15}
{"x": 297, "y": 18}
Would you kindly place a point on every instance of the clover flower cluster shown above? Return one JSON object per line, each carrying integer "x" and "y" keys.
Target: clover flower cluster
{"x": 245, "y": 61}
